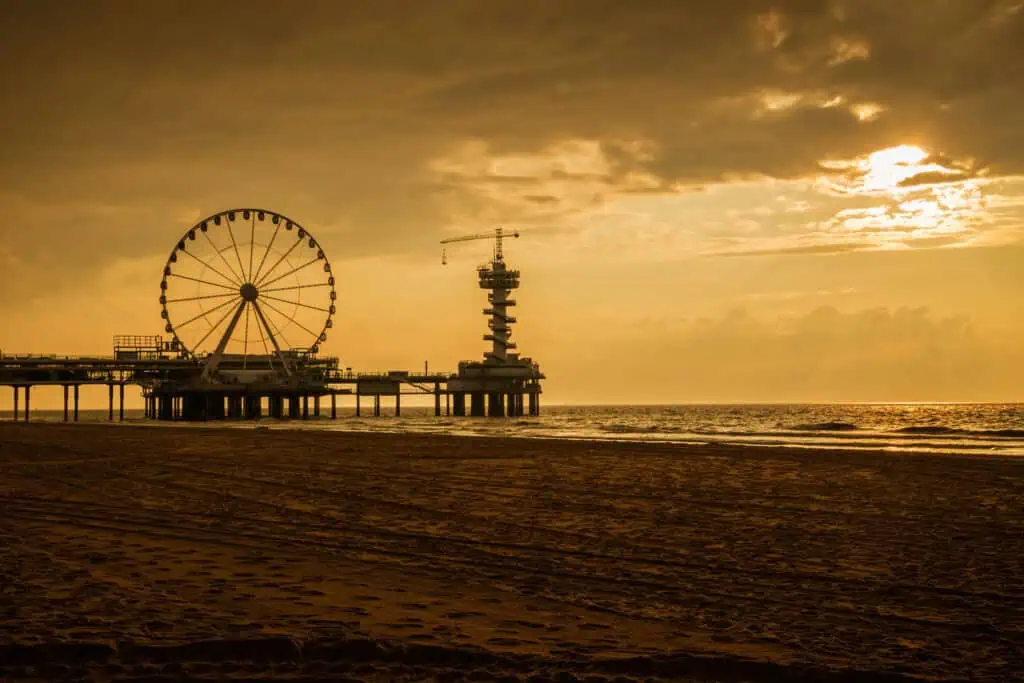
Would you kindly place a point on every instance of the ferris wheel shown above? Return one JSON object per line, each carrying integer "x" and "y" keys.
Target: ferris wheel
{"x": 250, "y": 286}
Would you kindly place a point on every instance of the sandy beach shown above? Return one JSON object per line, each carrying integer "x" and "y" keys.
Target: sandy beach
{"x": 165, "y": 553}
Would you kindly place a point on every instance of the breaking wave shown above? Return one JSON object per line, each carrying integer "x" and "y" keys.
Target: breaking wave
{"x": 826, "y": 427}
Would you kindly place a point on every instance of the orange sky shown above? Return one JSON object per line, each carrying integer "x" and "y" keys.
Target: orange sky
{"x": 743, "y": 201}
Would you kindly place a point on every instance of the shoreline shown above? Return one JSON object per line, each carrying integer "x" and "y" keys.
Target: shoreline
{"x": 197, "y": 553}
{"x": 314, "y": 428}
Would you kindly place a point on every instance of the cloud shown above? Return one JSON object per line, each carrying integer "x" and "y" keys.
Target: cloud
{"x": 338, "y": 114}
{"x": 818, "y": 249}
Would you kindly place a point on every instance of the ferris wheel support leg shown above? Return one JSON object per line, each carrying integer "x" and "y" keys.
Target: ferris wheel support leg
{"x": 214, "y": 360}
{"x": 273, "y": 339}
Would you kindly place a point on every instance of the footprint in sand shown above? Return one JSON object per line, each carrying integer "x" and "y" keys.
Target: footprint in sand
{"x": 461, "y": 615}
{"x": 421, "y": 636}
{"x": 509, "y": 642}
{"x": 521, "y": 622}
{"x": 359, "y": 611}
{"x": 594, "y": 627}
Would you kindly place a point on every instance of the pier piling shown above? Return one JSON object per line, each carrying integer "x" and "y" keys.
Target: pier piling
{"x": 476, "y": 401}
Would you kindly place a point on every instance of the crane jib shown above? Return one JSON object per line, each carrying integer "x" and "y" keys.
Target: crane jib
{"x": 498, "y": 235}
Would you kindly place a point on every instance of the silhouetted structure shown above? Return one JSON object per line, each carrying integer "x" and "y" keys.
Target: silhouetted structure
{"x": 182, "y": 378}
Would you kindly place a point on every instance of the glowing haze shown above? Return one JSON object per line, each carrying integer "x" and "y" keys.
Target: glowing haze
{"x": 733, "y": 201}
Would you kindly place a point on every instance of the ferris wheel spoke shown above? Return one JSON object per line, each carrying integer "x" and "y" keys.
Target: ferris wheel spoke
{"x": 285, "y": 289}
{"x": 296, "y": 303}
{"x": 197, "y": 298}
{"x": 278, "y": 262}
{"x": 234, "y": 244}
{"x": 293, "y": 270}
{"x": 205, "y": 282}
{"x": 296, "y": 322}
{"x": 267, "y": 251}
{"x": 231, "y": 280}
{"x": 252, "y": 243}
{"x": 218, "y": 323}
{"x": 220, "y": 253}
{"x": 204, "y": 314}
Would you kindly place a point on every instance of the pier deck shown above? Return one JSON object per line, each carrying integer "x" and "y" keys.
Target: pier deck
{"x": 172, "y": 389}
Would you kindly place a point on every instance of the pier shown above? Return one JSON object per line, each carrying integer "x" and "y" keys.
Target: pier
{"x": 229, "y": 311}
{"x": 171, "y": 391}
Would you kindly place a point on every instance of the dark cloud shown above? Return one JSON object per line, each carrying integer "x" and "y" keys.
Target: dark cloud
{"x": 936, "y": 178}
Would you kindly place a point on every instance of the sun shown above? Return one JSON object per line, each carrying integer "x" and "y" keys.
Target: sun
{"x": 886, "y": 169}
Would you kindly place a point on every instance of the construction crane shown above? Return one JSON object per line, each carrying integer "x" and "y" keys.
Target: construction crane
{"x": 498, "y": 235}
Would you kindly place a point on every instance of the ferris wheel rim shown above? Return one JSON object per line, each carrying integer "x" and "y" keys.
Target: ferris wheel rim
{"x": 251, "y": 288}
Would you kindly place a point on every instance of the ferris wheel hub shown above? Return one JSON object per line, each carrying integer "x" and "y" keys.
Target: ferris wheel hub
{"x": 249, "y": 291}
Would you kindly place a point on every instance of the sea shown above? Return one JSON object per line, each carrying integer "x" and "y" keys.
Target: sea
{"x": 981, "y": 428}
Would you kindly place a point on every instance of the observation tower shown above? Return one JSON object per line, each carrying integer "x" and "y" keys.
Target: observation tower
{"x": 497, "y": 386}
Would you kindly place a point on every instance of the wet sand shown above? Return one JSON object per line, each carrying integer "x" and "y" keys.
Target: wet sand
{"x": 164, "y": 554}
